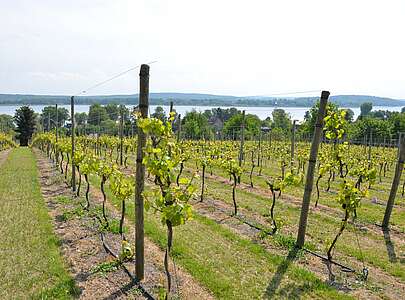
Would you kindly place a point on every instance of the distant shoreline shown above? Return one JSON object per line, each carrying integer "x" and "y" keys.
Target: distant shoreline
{"x": 194, "y": 104}
{"x": 188, "y": 99}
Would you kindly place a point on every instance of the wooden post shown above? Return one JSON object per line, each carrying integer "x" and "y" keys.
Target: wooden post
{"x": 56, "y": 133}
{"x": 369, "y": 148}
{"x": 260, "y": 148}
{"x": 49, "y": 122}
{"x": 121, "y": 133}
{"x": 98, "y": 150}
{"x": 57, "y": 122}
{"x": 309, "y": 182}
{"x": 292, "y": 145}
{"x": 399, "y": 143}
{"x": 395, "y": 183}
{"x": 179, "y": 129}
{"x": 140, "y": 174}
{"x": 242, "y": 141}
{"x": 72, "y": 116}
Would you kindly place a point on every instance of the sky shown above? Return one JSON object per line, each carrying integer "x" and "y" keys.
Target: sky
{"x": 212, "y": 46}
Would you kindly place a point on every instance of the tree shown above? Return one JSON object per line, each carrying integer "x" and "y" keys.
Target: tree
{"x": 6, "y": 123}
{"x": 397, "y": 121}
{"x": 25, "y": 120}
{"x": 195, "y": 126}
{"x": 365, "y": 108}
{"x": 281, "y": 119}
{"x": 233, "y": 126}
{"x": 349, "y": 115}
{"x": 109, "y": 127}
{"x": 221, "y": 114}
{"x": 403, "y": 110}
{"x": 363, "y": 127}
{"x": 125, "y": 111}
{"x": 159, "y": 114}
{"x": 49, "y": 113}
{"x": 218, "y": 116}
{"x": 81, "y": 118}
{"x": 97, "y": 114}
{"x": 112, "y": 111}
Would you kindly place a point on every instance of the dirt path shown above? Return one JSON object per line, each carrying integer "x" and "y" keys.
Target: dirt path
{"x": 83, "y": 249}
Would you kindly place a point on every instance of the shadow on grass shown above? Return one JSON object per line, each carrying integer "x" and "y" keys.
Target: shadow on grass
{"x": 278, "y": 277}
{"x": 390, "y": 246}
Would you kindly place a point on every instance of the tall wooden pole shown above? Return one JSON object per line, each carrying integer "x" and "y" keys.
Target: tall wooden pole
{"x": 56, "y": 133}
{"x": 171, "y": 106}
{"x": 259, "y": 156}
{"x": 311, "y": 169}
{"x": 98, "y": 150}
{"x": 140, "y": 174}
{"x": 292, "y": 145}
{"x": 72, "y": 116}
{"x": 49, "y": 121}
{"x": 370, "y": 142}
{"x": 395, "y": 183}
{"x": 242, "y": 141}
{"x": 170, "y": 112}
{"x": 179, "y": 128}
{"x": 57, "y": 122}
{"x": 121, "y": 133}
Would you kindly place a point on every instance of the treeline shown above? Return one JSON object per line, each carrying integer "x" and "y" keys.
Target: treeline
{"x": 218, "y": 123}
{"x": 196, "y": 100}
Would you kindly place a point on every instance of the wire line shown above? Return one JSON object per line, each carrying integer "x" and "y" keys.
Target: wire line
{"x": 111, "y": 78}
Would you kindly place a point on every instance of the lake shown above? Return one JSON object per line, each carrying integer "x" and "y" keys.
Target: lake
{"x": 296, "y": 113}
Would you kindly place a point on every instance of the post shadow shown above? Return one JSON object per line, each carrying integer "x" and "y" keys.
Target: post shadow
{"x": 389, "y": 245}
{"x": 281, "y": 270}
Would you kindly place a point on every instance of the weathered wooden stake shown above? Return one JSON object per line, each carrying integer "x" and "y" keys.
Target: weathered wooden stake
{"x": 49, "y": 122}
{"x": 260, "y": 149}
{"x": 395, "y": 183}
{"x": 121, "y": 133}
{"x": 57, "y": 122}
{"x": 292, "y": 145}
{"x": 242, "y": 141}
{"x": 140, "y": 174}
{"x": 311, "y": 169}
{"x": 179, "y": 128}
{"x": 72, "y": 116}
{"x": 370, "y": 142}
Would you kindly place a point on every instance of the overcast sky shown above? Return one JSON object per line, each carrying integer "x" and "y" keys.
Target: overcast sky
{"x": 209, "y": 46}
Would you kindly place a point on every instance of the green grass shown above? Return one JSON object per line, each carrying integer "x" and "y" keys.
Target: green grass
{"x": 369, "y": 213}
{"x": 31, "y": 265}
{"x": 321, "y": 227}
{"x": 230, "y": 266}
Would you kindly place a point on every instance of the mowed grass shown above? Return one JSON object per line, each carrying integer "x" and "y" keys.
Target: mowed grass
{"x": 368, "y": 212}
{"x": 321, "y": 228}
{"x": 230, "y": 266}
{"x": 30, "y": 262}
